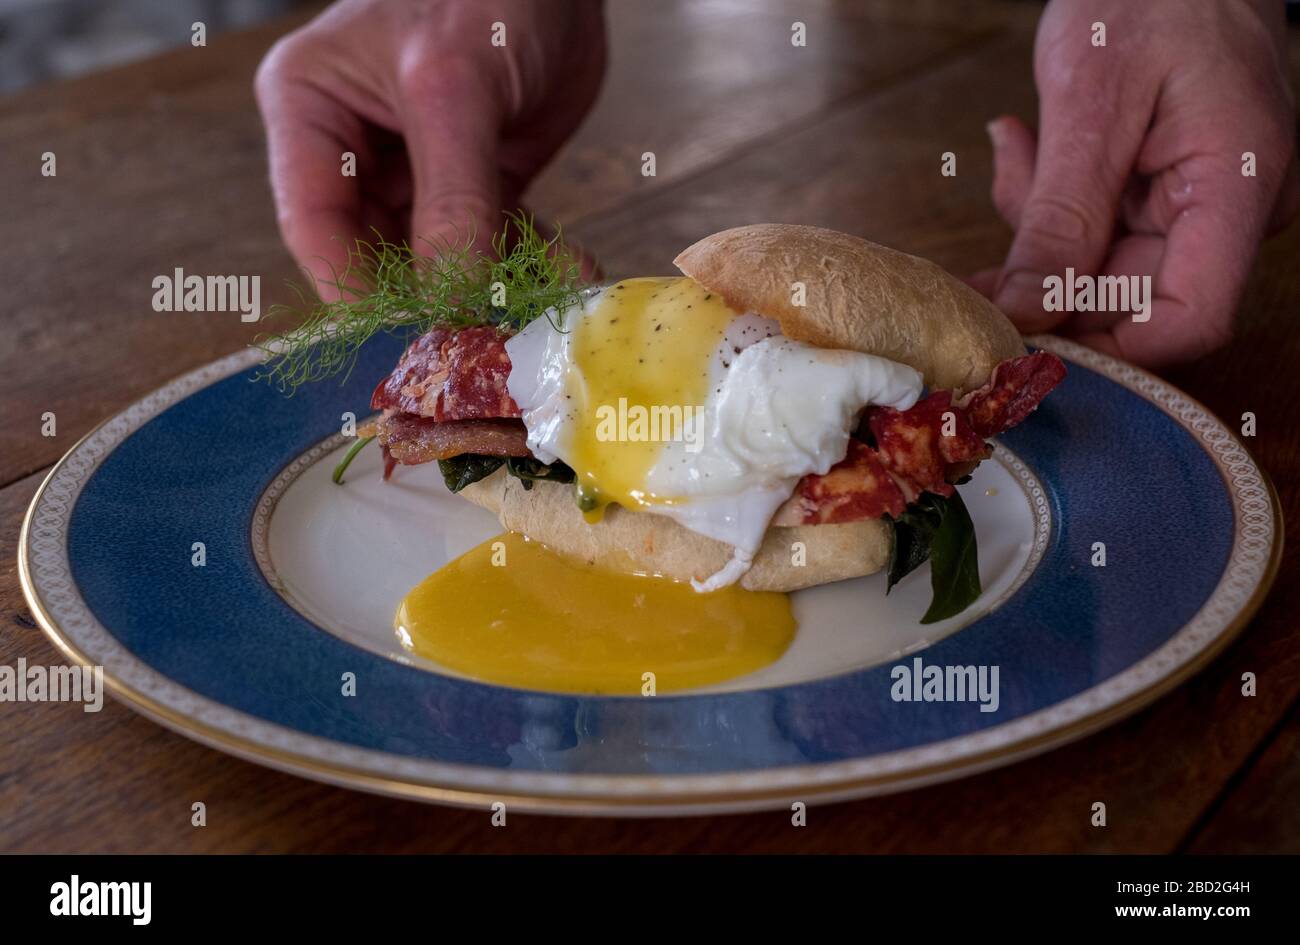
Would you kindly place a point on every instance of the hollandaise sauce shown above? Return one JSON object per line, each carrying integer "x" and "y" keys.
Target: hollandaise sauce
{"x": 512, "y": 612}
{"x": 641, "y": 362}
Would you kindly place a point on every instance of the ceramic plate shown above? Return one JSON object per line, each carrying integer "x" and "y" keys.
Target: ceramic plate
{"x": 248, "y": 652}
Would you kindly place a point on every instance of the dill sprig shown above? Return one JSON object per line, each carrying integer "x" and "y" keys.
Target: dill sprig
{"x": 388, "y": 287}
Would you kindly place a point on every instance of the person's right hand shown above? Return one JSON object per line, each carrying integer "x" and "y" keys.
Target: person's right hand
{"x": 1137, "y": 169}
{"x": 447, "y": 128}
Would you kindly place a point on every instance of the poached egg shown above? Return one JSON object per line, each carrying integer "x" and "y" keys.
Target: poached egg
{"x": 665, "y": 400}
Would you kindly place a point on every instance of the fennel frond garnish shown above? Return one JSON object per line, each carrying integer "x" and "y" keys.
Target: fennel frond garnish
{"x": 449, "y": 285}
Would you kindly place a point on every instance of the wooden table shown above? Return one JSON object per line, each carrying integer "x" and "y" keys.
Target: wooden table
{"x": 161, "y": 164}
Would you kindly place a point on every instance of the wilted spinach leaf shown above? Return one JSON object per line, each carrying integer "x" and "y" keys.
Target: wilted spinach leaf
{"x": 938, "y": 529}
{"x": 954, "y": 563}
{"x": 459, "y": 471}
{"x": 913, "y": 532}
{"x": 528, "y": 470}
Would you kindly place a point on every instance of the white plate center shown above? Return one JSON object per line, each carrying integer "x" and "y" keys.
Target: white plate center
{"x": 345, "y": 556}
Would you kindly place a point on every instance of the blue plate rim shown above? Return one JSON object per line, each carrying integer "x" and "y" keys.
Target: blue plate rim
{"x": 45, "y": 575}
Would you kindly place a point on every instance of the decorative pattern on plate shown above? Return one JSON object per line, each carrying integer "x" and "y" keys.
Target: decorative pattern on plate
{"x": 1037, "y": 498}
{"x": 266, "y": 506}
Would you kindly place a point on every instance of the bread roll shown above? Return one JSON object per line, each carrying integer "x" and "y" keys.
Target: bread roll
{"x": 859, "y": 296}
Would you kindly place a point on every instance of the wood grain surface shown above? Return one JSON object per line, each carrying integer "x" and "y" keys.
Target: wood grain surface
{"x": 161, "y": 164}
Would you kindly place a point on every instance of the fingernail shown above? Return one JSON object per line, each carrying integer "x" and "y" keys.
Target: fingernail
{"x": 1021, "y": 292}
{"x": 994, "y": 129}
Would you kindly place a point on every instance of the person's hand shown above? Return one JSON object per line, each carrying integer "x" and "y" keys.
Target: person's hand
{"x": 1137, "y": 167}
{"x": 447, "y": 127}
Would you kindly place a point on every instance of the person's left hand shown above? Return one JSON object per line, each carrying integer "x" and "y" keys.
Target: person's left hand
{"x": 1137, "y": 168}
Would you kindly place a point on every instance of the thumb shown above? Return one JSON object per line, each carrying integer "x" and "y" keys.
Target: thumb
{"x": 452, "y": 123}
{"x": 1014, "y": 149}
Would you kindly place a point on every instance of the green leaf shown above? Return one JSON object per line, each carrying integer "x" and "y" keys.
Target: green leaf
{"x": 528, "y": 470}
{"x": 913, "y": 532}
{"x": 459, "y": 471}
{"x": 954, "y": 563}
{"x": 938, "y": 529}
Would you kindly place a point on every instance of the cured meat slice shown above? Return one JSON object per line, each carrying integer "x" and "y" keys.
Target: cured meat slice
{"x": 415, "y": 376}
{"x": 477, "y": 370}
{"x": 1016, "y": 388}
{"x": 858, "y": 487}
{"x": 451, "y": 375}
{"x": 918, "y": 445}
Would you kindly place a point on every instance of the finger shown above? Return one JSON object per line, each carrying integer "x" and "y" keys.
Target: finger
{"x": 318, "y": 208}
{"x": 1014, "y": 150}
{"x": 1086, "y": 146}
{"x": 985, "y": 281}
{"x": 1132, "y": 258}
{"x": 1210, "y": 248}
{"x": 1152, "y": 203}
{"x": 452, "y": 120}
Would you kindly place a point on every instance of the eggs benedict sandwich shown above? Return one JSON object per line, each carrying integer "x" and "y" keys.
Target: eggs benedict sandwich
{"x": 797, "y": 407}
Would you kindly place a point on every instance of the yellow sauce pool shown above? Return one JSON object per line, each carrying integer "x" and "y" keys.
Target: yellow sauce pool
{"x": 514, "y": 613}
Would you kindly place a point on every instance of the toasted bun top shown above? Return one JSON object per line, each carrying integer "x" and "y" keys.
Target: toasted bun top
{"x": 858, "y": 296}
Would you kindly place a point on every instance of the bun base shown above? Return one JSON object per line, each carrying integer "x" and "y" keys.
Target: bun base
{"x": 643, "y": 541}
